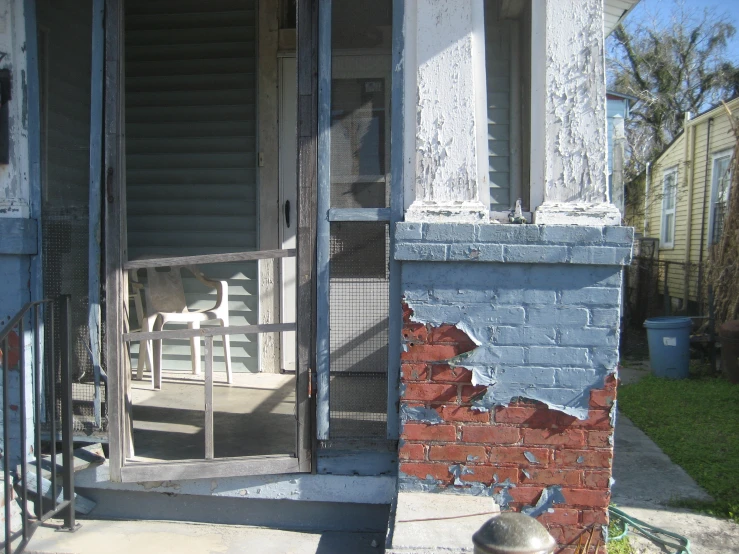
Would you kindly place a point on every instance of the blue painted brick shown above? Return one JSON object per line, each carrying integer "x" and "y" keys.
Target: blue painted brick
{"x": 571, "y": 234}
{"x": 621, "y": 236}
{"x": 525, "y": 335}
{"x": 436, "y": 314}
{"x": 606, "y": 357}
{"x": 408, "y": 231}
{"x": 449, "y": 294}
{"x": 575, "y": 317}
{"x": 575, "y": 377}
{"x": 508, "y": 234}
{"x": 541, "y": 376}
{"x": 605, "y": 317}
{"x": 495, "y": 315}
{"x": 510, "y": 355}
{"x": 449, "y": 232}
{"x": 600, "y": 255}
{"x": 476, "y": 252}
{"x": 421, "y": 252}
{"x": 526, "y": 295}
{"x": 417, "y": 293}
{"x": 558, "y": 355}
{"x": 535, "y": 254}
{"x": 588, "y": 337}
{"x": 591, "y": 296}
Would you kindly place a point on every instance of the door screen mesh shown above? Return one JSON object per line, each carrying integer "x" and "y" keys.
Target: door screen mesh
{"x": 359, "y": 329}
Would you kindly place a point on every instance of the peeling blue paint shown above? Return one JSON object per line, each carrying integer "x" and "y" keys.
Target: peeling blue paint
{"x": 580, "y": 459}
{"x": 530, "y": 457}
{"x": 549, "y": 496}
{"x": 458, "y": 470}
{"x": 503, "y": 498}
{"x": 420, "y": 414}
{"x": 526, "y": 473}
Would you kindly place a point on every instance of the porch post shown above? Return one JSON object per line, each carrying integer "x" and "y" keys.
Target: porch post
{"x": 569, "y": 171}
{"x": 445, "y": 45}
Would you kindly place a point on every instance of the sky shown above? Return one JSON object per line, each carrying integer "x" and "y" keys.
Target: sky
{"x": 728, "y": 8}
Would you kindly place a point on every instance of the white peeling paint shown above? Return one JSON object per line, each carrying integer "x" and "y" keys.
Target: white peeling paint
{"x": 449, "y": 183}
{"x": 576, "y": 102}
{"x": 14, "y": 184}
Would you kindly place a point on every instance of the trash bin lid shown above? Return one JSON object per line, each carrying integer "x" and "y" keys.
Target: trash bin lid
{"x": 668, "y": 322}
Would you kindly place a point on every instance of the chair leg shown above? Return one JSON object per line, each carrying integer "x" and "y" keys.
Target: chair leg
{"x": 195, "y": 348}
{"x": 227, "y": 355}
{"x": 156, "y": 374}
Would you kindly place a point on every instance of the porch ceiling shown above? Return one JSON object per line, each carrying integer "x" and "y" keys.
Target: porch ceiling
{"x": 615, "y": 11}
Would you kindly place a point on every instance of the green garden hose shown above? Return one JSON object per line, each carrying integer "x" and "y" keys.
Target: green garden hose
{"x": 654, "y": 534}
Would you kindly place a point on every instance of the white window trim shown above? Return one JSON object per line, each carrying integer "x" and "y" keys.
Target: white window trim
{"x": 714, "y": 188}
{"x": 664, "y": 243}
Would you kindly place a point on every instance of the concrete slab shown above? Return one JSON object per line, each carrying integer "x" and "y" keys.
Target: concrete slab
{"x": 144, "y": 537}
{"x": 645, "y": 476}
{"x": 707, "y": 535}
{"x": 427, "y": 523}
{"x": 646, "y": 480}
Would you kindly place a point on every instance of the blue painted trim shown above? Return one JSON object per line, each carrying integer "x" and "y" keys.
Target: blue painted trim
{"x": 323, "y": 227}
{"x": 34, "y": 144}
{"x": 95, "y": 205}
{"x": 19, "y": 236}
{"x": 357, "y": 462}
{"x": 359, "y": 214}
{"x": 33, "y": 101}
{"x": 396, "y": 215}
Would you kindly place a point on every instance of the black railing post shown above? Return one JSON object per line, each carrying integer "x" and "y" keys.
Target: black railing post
{"x": 22, "y": 416}
{"x": 37, "y": 409}
{"x": 52, "y": 396}
{"x": 6, "y": 443}
{"x": 66, "y": 398}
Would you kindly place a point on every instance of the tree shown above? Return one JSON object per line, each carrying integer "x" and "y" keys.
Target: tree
{"x": 672, "y": 66}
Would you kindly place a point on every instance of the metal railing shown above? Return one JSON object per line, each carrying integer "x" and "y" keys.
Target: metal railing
{"x": 15, "y": 358}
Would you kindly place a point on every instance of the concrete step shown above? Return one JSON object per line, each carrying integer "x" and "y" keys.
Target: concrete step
{"x": 83, "y": 458}
{"x": 156, "y": 537}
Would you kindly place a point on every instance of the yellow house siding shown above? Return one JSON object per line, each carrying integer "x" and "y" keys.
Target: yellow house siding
{"x": 701, "y": 157}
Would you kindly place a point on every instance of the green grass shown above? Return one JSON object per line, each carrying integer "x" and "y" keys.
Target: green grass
{"x": 621, "y": 546}
{"x": 695, "y": 422}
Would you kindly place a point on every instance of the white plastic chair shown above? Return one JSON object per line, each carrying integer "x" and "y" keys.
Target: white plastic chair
{"x": 165, "y": 303}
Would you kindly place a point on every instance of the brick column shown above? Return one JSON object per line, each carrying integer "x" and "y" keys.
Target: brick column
{"x": 508, "y": 368}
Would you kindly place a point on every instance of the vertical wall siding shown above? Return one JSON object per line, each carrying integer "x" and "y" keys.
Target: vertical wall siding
{"x": 190, "y": 148}
{"x": 498, "y": 75}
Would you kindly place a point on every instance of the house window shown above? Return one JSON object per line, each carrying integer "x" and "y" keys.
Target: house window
{"x": 669, "y": 200}
{"x": 508, "y": 77}
{"x": 720, "y": 185}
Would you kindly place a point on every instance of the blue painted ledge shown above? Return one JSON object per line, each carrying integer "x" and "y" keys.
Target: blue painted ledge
{"x": 18, "y": 236}
{"x": 520, "y": 244}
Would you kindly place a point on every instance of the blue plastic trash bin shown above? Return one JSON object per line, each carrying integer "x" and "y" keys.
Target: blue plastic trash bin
{"x": 669, "y": 346}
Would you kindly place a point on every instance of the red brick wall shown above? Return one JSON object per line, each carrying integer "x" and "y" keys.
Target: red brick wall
{"x": 574, "y": 454}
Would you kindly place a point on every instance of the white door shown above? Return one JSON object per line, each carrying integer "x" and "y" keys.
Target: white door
{"x": 288, "y": 201}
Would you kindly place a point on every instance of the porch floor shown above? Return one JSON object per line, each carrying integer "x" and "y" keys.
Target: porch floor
{"x": 255, "y": 415}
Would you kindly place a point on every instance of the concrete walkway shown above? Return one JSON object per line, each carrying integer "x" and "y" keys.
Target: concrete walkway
{"x": 646, "y": 481}
{"x": 144, "y": 537}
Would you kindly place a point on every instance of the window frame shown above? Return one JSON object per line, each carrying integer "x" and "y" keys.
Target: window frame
{"x": 669, "y": 172}
{"x": 715, "y": 158}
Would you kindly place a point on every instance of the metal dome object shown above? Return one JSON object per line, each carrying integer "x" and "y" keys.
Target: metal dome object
{"x": 513, "y": 533}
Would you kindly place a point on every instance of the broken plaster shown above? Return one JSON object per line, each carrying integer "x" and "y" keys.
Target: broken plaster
{"x": 505, "y": 384}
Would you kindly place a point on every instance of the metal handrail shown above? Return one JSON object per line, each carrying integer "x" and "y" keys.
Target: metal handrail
{"x": 47, "y": 371}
